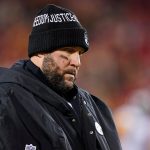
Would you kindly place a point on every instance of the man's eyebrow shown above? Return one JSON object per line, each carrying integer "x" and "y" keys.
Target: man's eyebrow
{"x": 72, "y": 49}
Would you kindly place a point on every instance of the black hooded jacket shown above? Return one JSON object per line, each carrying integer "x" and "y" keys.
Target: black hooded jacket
{"x": 35, "y": 117}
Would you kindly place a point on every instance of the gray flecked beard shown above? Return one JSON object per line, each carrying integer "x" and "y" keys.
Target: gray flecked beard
{"x": 55, "y": 79}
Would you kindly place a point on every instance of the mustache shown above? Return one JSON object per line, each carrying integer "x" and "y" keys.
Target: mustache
{"x": 70, "y": 71}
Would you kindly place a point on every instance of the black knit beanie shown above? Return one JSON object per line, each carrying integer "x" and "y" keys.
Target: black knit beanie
{"x": 56, "y": 27}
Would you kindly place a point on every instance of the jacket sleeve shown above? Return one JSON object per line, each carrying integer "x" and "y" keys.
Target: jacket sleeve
{"x": 7, "y": 127}
{"x": 20, "y": 125}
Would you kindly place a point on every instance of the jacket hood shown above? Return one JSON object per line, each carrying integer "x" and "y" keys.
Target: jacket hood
{"x": 28, "y": 81}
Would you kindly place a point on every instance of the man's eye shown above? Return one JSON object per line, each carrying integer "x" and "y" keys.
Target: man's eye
{"x": 80, "y": 54}
{"x": 64, "y": 57}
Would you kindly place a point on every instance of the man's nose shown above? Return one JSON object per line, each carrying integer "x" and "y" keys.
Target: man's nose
{"x": 75, "y": 59}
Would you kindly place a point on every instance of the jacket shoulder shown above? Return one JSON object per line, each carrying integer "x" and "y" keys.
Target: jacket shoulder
{"x": 88, "y": 96}
{"x": 99, "y": 106}
{"x": 102, "y": 105}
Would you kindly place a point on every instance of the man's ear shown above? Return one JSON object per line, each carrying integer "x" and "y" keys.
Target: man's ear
{"x": 40, "y": 55}
{"x": 37, "y": 60}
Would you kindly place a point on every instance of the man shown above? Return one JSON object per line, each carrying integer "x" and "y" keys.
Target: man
{"x": 41, "y": 108}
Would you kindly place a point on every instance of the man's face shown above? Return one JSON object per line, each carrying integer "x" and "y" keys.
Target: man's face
{"x": 61, "y": 67}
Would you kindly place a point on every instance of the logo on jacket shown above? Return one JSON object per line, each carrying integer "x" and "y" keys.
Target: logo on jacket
{"x": 30, "y": 147}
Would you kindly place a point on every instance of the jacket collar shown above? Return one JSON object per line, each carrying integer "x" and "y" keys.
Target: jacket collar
{"x": 28, "y": 81}
{"x": 36, "y": 71}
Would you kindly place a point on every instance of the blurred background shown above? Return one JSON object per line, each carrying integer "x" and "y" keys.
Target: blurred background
{"x": 117, "y": 66}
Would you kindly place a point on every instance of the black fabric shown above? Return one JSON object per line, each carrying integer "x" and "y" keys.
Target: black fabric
{"x": 32, "y": 113}
{"x": 71, "y": 96}
{"x": 36, "y": 71}
{"x": 56, "y": 27}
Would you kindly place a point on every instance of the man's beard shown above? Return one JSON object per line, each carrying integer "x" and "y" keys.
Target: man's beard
{"x": 55, "y": 78}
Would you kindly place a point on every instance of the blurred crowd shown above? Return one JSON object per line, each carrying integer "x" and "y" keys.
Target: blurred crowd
{"x": 117, "y": 66}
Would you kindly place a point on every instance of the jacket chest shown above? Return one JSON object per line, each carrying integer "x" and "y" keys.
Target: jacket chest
{"x": 74, "y": 126}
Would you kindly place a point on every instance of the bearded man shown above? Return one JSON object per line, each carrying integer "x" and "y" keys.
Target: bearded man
{"x": 41, "y": 107}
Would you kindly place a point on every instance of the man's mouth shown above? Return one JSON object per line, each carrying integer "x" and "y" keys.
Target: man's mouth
{"x": 71, "y": 72}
